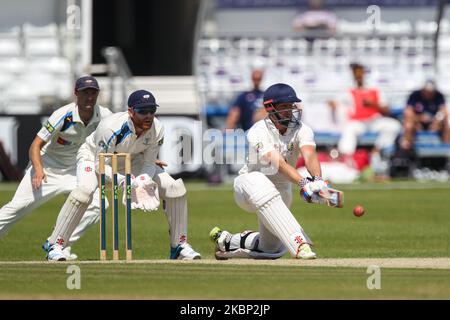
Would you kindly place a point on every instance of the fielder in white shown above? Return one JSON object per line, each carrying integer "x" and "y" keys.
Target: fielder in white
{"x": 264, "y": 183}
{"x": 140, "y": 134}
{"x": 52, "y": 168}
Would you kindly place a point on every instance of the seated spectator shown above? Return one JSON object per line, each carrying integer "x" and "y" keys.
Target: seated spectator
{"x": 425, "y": 111}
{"x": 366, "y": 112}
{"x": 315, "y": 18}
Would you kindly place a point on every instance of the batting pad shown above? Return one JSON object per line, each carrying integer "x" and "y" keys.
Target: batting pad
{"x": 279, "y": 220}
{"x": 248, "y": 254}
{"x": 70, "y": 216}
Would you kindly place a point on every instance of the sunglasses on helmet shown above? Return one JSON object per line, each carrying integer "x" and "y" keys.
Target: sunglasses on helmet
{"x": 146, "y": 110}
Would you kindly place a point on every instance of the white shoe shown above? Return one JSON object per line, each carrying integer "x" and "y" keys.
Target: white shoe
{"x": 305, "y": 252}
{"x": 184, "y": 252}
{"x": 69, "y": 256}
{"x": 55, "y": 253}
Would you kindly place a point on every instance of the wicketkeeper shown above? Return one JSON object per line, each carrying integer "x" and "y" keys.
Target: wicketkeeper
{"x": 140, "y": 134}
{"x": 264, "y": 183}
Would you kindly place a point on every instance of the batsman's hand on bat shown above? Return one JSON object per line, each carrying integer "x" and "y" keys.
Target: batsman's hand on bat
{"x": 318, "y": 191}
{"x": 311, "y": 186}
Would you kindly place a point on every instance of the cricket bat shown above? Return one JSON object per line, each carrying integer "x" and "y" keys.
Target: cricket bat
{"x": 330, "y": 197}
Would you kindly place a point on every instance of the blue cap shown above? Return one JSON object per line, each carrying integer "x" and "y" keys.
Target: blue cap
{"x": 87, "y": 82}
{"x": 280, "y": 93}
{"x": 140, "y": 99}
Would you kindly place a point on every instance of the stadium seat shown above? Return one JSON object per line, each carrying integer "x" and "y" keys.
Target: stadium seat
{"x": 42, "y": 47}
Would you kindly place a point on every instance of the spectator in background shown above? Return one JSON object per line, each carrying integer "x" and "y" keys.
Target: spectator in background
{"x": 315, "y": 18}
{"x": 365, "y": 113}
{"x": 425, "y": 110}
{"x": 248, "y": 107}
{"x": 244, "y": 112}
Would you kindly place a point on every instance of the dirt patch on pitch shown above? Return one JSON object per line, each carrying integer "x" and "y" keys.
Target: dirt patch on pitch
{"x": 403, "y": 263}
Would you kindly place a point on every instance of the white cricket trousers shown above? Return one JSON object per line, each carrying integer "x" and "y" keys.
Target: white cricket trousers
{"x": 387, "y": 129}
{"x": 26, "y": 199}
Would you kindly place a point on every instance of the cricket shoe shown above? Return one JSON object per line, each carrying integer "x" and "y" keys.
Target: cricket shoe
{"x": 220, "y": 238}
{"x": 184, "y": 252}
{"x": 69, "y": 255}
{"x": 66, "y": 251}
{"x": 55, "y": 253}
{"x": 305, "y": 252}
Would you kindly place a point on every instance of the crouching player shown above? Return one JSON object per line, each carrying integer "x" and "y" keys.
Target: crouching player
{"x": 140, "y": 134}
{"x": 264, "y": 183}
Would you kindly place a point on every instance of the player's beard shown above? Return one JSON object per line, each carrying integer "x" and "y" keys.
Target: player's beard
{"x": 146, "y": 123}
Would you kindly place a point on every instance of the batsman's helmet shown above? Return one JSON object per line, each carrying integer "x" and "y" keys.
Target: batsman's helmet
{"x": 281, "y": 93}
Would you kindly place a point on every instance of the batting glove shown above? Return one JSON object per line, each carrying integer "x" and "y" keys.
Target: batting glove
{"x": 309, "y": 186}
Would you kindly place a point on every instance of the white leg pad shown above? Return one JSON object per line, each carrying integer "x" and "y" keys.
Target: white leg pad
{"x": 277, "y": 217}
{"x": 70, "y": 215}
{"x": 272, "y": 211}
{"x": 244, "y": 245}
{"x": 176, "y": 214}
{"x": 248, "y": 254}
{"x": 169, "y": 187}
{"x": 90, "y": 217}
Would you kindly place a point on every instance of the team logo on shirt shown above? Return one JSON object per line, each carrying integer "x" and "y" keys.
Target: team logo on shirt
{"x": 103, "y": 145}
{"x": 290, "y": 147}
{"x": 49, "y": 127}
{"x": 63, "y": 142}
{"x": 258, "y": 146}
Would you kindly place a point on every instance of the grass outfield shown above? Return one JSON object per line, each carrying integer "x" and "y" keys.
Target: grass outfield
{"x": 225, "y": 282}
{"x": 401, "y": 220}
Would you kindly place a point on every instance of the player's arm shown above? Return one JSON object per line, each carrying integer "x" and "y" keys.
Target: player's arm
{"x": 312, "y": 163}
{"x": 151, "y": 155}
{"x": 318, "y": 191}
{"x": 105, "y": 142}
{"x": 35, "y": 157}
{"x": 48, "y": 130}
{"x": 277, "y": 160}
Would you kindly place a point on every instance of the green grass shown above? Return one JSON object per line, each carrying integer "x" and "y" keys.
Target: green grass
{"x": 168, "y": 281}
{"x": 401, "y": 220}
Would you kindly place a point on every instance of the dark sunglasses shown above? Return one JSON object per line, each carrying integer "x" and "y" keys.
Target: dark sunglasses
{"x": 147, "y": 110}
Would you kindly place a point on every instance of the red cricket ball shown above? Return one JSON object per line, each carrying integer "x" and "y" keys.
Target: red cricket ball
{"x": 358, "y": 211}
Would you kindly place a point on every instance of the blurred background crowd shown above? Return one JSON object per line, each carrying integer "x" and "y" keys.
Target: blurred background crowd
{"x": 373, "y": 75}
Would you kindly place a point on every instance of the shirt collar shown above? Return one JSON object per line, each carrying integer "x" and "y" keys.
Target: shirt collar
{"x": 130, "y": 124}
{"x": 274, "y": 129}
{"x": 96, "y": 117}
{"x": 133, "y": 130}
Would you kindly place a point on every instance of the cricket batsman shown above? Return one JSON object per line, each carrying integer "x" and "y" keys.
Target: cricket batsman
{"x": 52, "y": 168}
{"x": 264, "y": 183}
{"x": 140, "y": 134}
